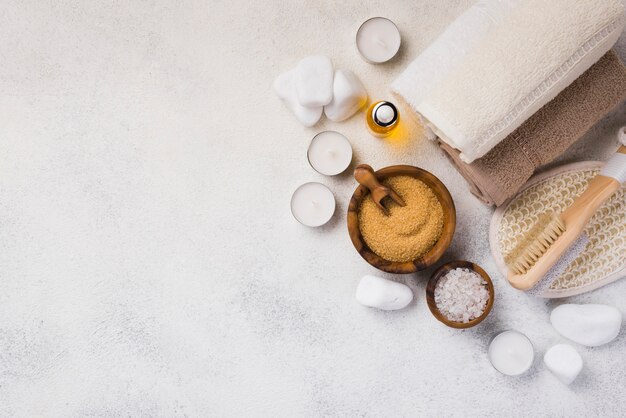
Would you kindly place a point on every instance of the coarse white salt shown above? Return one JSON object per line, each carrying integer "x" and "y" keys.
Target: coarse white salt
{"x": 461, "y": 295}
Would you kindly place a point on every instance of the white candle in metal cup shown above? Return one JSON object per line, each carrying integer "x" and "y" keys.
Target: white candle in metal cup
{"x": 511, "y": 353}
{"x": 329, "y": 153}
{"x": 313, "y": 204}
{"x": 378, "y": 40}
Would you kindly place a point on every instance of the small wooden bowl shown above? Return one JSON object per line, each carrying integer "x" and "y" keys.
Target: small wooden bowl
{"x": 435, "y": 253}
{"x": 442, "y": 271}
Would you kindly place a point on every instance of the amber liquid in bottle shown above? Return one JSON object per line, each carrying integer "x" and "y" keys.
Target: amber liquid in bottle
{"x": 382, "y": 118}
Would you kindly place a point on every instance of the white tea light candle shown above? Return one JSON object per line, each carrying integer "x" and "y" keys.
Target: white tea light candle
{"x": 511, "y": 353}
{"x": 378, "y": 40}
{"x": 312, "y": 204}
{"x": 329, "y": 153}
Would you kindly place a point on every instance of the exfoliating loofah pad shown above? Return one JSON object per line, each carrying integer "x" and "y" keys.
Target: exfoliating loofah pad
{"x": 604, "y": 257}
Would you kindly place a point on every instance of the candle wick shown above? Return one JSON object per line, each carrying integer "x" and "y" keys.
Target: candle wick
{"x": 314, "y": 202}
{"x": 380, "y": 42}
{"x": 331, "y": 152}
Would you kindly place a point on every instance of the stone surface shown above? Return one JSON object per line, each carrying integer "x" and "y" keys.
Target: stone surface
{"x": 564, "y": 362}
{"x": 349, "y": 95}
{"x": 285, "y": 88}
{"x": 591, "y": 325}
{"x": 149, "y": 262}
{"x": 314, "y": 81}
{"x": 384, "y": 294}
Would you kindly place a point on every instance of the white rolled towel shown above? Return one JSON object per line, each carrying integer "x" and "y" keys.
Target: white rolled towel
{"x": 448, "y": 51}
{"x": 535, "y": 50}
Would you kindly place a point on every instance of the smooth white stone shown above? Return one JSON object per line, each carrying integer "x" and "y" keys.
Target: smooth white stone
{"x": 349, "y": 96}
{"x": 380, "y": 293}
{"x": 314, "y": 81}
{"x": 591, "y": 325}
{"x": 564, "y": 362}
{"x": 285, "y": 88}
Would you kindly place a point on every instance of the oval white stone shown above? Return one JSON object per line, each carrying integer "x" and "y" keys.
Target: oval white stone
{"x": 285, "y": 87}
{"x": 564, "y": 362}
{"x": 349, "y": 96}
{"x": 380, "y": 293}
{"x": 591, "y": 325}
{"x": 314, "y": 81}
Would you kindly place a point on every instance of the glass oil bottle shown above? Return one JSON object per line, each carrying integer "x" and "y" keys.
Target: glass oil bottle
{"x": 382, "y": 118}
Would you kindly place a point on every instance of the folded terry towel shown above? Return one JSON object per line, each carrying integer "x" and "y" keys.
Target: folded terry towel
{"x": 548, "y": 133}
{"x": 523, "y": 61}
{"x": 447, "y": 52}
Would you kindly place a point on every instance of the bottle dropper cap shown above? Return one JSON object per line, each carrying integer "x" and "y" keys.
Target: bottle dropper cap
{"x": 385, "y": 114}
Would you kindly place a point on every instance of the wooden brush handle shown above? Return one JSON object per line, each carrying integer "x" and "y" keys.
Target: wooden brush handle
{"x": 599, "y": 190}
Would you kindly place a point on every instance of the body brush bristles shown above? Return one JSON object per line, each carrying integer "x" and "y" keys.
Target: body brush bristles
{"x": 539, "y": 245}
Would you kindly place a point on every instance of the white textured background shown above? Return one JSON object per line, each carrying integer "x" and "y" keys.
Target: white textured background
{"x": 149, "y": 265}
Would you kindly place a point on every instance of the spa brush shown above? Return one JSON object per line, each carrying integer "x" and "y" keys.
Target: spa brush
{"x": 550, "y": 248}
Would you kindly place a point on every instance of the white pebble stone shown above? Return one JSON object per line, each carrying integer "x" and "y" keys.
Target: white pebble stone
{"x": 564, "y": 362}
{"x": 349, "y": 96}
{"x": 285, "y": 87}
{"x": 380, "y": 293}
{"x": 591, "y": 325}
{"x": 314, "y": 81}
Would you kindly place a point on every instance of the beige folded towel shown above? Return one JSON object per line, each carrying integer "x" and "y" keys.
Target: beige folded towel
{"x": 522, "y": 64}
{"x": 499, "y": 174}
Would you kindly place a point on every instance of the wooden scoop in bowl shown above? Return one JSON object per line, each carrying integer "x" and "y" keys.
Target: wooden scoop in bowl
{"x": 428, "y": 259}
{"x": 366, "y": 177}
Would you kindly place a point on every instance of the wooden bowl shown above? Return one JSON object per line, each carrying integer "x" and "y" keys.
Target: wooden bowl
{"x": 428, "y": 259}
{"x": 442, "y": 271}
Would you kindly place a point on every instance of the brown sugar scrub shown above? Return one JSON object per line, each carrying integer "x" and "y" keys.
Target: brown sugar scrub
{"x": 407, "y": 232}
